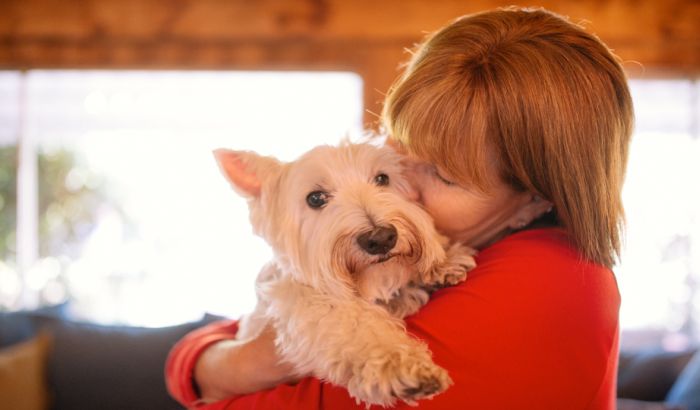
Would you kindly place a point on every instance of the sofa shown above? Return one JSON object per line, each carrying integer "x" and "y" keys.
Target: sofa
{"x": 655, "y": 379}
{"x": 48, "y": 361}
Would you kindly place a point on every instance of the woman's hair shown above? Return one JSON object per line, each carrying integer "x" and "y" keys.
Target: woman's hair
{"x": 537, "y": 96}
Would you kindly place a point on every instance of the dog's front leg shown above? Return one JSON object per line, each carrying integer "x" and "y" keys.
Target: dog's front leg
{"x": 352, "y": 343}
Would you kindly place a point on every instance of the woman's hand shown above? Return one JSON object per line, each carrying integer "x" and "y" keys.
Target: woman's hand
{"x": 233, "y": 367}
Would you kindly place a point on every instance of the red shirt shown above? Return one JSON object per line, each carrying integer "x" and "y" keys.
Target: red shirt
{"x": 532, "y": 327}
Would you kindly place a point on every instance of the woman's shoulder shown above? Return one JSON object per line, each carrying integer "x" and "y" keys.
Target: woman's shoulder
{"x": 535, "y": 272}
{"x": 531, "y": 312}
{"x": 532, "y": 285}
{"x": 547, "y": 248}
{"x": 528, "y": 258}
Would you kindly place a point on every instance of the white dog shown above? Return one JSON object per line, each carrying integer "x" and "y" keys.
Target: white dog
{"x": 353, "y": 256}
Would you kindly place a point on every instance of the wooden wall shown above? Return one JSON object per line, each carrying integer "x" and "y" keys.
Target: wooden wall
{"x": 653, "y": 37}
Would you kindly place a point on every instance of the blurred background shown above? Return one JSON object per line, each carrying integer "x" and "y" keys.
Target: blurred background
{"x": 109, "y": 111}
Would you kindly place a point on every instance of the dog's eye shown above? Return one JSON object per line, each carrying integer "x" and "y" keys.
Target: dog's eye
{"x": 317, "y": 199}
{"x": 382, "y": 180}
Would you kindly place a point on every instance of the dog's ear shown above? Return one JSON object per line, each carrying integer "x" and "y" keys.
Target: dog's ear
{"x": 245, "y": 170}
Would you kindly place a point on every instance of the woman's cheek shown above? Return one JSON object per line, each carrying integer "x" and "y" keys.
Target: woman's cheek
{"x": 417, "y": 184}
{"x": 435, "y": 204}
{"x": 411, "y": 191}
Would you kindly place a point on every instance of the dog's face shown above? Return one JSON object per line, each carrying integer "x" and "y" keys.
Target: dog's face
{"x": 333, "y": 213}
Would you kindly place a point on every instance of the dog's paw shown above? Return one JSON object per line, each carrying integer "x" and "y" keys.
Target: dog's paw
{"x": 428, "y": 380}
{"x": 459, "y": 261}
{"x": 407, "y": 376}
{"x": 407, "y": 301}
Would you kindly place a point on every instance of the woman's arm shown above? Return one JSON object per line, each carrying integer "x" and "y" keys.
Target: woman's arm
{"x": 233, "y": 367}
{"x": 208, "y": 364}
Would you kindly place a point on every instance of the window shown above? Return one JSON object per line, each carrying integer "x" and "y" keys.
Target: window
{"x": 10, "y": 285}
{"x": 135, "y": 222}
{"x": 660, "y": 270}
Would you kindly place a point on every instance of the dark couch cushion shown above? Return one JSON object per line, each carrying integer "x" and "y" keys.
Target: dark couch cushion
{"x": 629, "y": 404}
{"x": 109, "y": 367}
{"x": 648, "y": 375}
{"x": 686, "y": 390}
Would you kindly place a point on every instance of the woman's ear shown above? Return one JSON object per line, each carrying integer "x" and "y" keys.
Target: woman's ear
{"x": 245, "y": 170}
{"x": 532, "y": 210}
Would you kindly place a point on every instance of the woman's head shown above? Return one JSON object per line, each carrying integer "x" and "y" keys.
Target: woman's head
{"x": 525, "y": 98}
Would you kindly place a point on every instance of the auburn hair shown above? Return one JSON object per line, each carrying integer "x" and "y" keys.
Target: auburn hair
{"x": 534, "y": 94}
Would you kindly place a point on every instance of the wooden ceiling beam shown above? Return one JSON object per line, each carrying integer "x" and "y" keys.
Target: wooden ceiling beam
{"x": 653, "y": 38}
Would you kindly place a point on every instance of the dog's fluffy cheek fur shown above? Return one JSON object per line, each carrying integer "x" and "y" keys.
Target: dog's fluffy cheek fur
{"x": 424, "y": 245}
{"x": 276, "y": 220}
{"x": 430, "y": 243}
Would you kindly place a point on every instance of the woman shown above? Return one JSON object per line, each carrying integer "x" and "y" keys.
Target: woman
{"x": 516, "y": 125}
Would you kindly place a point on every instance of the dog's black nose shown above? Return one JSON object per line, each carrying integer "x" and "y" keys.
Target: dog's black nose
{"x": 379, "y": 240}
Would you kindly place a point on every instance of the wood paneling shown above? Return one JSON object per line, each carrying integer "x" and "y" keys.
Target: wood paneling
{"x": 653, "y": 37}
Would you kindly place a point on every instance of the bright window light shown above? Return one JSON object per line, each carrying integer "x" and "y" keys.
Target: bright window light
{"x": 659, "y": 276}
{"x": 147, "y": 231}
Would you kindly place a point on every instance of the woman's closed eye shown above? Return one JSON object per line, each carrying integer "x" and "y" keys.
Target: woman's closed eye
{"x": 441, "y": 178}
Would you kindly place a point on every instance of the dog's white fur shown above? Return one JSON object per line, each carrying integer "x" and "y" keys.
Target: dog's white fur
{"x": 336, "y": 308}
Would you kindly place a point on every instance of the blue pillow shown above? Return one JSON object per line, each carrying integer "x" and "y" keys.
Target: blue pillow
{"x": 15, "y": 327}
{"x": 18, "y": 326}
{"x": 686, "y": 389}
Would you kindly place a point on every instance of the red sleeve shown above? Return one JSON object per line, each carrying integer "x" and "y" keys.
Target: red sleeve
{"x": 533, "y": 327}
{"x": 179, "y": 367}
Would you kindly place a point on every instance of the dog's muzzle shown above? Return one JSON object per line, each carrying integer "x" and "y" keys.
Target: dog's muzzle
{"x": 379, "y": 240}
